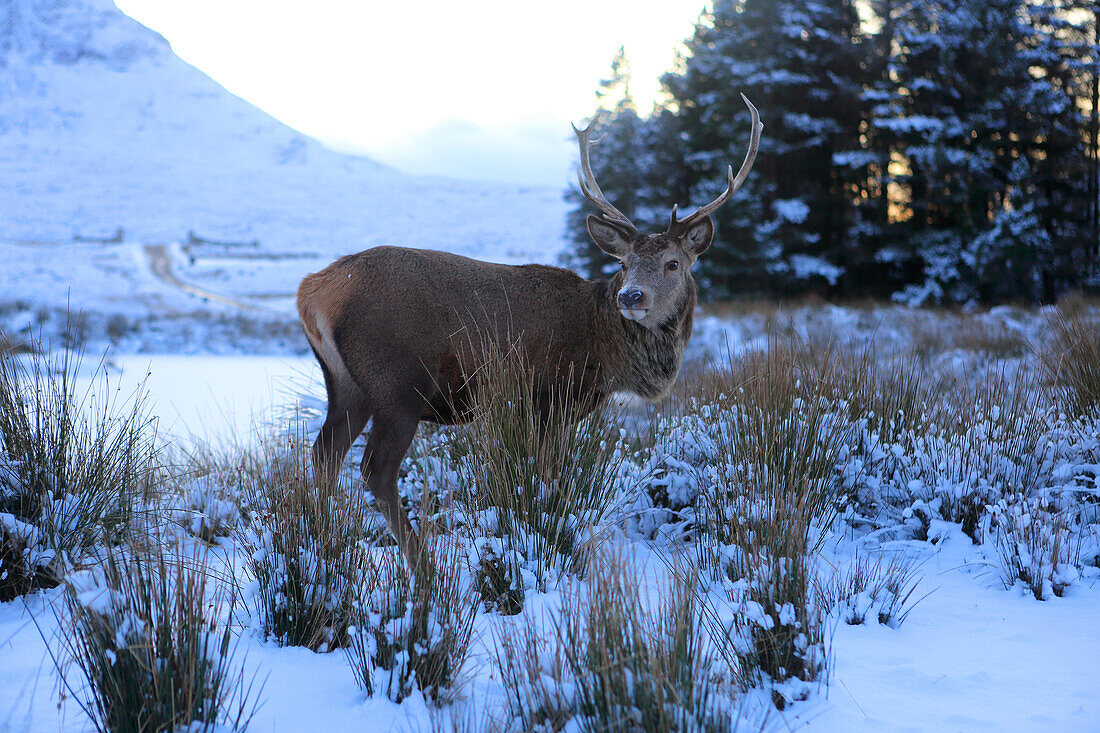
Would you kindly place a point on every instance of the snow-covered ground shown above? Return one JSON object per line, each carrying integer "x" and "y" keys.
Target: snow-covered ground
{"x": 971, "y": 655}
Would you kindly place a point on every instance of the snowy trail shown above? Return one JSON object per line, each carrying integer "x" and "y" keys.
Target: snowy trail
{"x": 159, "y": 258}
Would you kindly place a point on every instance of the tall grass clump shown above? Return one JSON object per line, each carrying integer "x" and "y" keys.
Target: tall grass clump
{"x": 413, "y": 627}
{"x": 1034, "y": 541}
{"x": 305, "y": 544}
{"x": 537, "y": 474}
{"x": 773, "y": 632}
{"x": 881, "y": 590}
{"x": 616, "y": 663}
{"x": 148, "y": 647}
{"x": 779, "y": 442}
{"x": 75, "y": 466}
{"x": 771, "y": 495}
{"x": 1072, "y": 361}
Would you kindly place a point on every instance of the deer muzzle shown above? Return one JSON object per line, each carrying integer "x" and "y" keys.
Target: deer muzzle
{"x": 633, "y": 303}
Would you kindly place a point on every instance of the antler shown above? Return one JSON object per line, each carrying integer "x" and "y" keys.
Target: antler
{"x": 590, "y": 188}
{"x": 734, "y": 182}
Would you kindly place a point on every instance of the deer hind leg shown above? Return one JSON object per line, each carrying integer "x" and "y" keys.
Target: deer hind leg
{"x": 390, "y": 438}
{"x": 342, "y": 426}
{"x": 348, "y": 413}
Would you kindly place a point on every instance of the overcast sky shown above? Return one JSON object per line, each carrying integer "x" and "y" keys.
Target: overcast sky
{"x": 482, "y": 89}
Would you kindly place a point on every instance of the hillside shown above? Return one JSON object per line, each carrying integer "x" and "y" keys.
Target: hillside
{"x": 103, "y": 127}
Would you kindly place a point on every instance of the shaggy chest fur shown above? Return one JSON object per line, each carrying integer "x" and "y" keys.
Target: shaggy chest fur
{"x": 645, "y": 361}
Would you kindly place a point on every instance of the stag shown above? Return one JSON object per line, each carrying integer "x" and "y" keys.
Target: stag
{"x": 397, "y": 330}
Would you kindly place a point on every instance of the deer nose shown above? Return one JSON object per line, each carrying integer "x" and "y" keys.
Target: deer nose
{"x": 630, "y": 298}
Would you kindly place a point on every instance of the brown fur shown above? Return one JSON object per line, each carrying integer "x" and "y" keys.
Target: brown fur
{"x": 397, "y": 332}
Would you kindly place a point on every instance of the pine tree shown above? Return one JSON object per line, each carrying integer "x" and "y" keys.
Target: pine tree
{"x": 789, "y": 227}
{"x": 1062, "y": 51}
{"x": 984, "y": 131}
{"x": 885, "y": 264}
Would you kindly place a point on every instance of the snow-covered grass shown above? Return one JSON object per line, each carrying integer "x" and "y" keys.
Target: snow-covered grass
{"x": 531, "y": 489}
{"x": 148, "y": 646}
{"x": 617, "y": 661}
{"x": 816, "y": 532}
{"x": 301, "y": 539}
{"x": 414, "y": 625}
{"x": 75, "y": 467}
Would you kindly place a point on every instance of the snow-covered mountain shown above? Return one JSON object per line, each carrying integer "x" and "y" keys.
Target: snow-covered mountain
{"x": 103, "y": 127}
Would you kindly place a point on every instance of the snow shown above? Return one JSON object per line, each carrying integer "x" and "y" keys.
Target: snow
{"x": 104, "y": 128}
{"x": 971, "y": 656}
{"x": 220, "y": 398}
{"x": 793, "y": 210}
{"x": 805, "y": 266}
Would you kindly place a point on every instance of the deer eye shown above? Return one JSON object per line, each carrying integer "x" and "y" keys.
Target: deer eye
{"x": 672, "y": 265}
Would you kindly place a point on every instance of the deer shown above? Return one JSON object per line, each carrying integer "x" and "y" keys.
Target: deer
{"x": 396, "y": 330}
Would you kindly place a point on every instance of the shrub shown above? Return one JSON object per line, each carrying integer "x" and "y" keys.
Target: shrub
{"x": 937, "y": 460}
{"x": 412, "y": 628}
{"x": 152, "y": 648}
{"x": 964, "y": 459}
{"x": 73, "y": 467}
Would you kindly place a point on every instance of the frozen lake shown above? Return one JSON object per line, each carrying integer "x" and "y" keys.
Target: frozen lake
{"x": 213, "y": 397}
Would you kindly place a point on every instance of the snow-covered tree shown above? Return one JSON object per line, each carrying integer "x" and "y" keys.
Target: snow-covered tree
{"x": 982, "y": 131}
{"x": 945, "y": 149}
{"x": 800, "y": 63}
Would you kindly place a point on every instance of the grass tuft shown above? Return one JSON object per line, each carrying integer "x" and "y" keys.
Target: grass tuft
{"x": 152, "y": 647}
{"x": 771, "y": 494}
{"x": 75, "y": 467}
{"x": 1072, "y": 360}
{"x": 779, "y": 440}
{"x": 304, "y": 544}
{"x": 413, "y": 628}
{"x": 1035, "y": 545}
{"x": 615, "y": 663}
{"x": 881, "y": 590}
{"x": 538, "y": 476}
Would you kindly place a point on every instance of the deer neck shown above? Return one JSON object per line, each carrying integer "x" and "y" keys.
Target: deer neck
{"x": 641, "y": 360}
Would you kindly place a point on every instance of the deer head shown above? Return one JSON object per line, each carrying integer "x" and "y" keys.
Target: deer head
{"x": 656, "y": 267}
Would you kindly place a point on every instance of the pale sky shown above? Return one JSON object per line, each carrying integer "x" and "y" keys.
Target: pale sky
{"x": 482, "y": 89}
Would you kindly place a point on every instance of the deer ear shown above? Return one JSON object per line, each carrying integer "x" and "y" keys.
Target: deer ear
{"x": 608, "y": 237}
{"x": 696, "y": 238}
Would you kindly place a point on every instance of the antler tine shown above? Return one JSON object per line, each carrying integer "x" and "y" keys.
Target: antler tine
{"x": 590, "y": 188}
{"x": 734, "y": 182}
